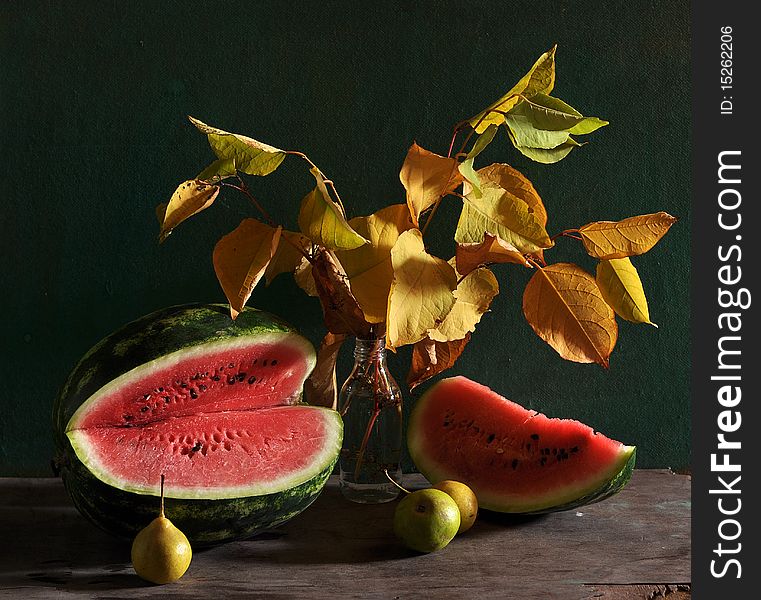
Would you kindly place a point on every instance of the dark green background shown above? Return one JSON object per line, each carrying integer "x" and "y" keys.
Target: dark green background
{"x": 92, "y": 115}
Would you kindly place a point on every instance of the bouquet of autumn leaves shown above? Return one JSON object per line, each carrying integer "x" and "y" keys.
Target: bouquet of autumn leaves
{"x": 373, "y": 275}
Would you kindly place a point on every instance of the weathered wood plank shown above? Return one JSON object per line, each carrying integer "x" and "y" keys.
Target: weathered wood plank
{"x": 338, "y": 549}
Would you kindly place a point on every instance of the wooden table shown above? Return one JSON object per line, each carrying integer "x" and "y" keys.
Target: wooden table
{"x": 633, "y": 545}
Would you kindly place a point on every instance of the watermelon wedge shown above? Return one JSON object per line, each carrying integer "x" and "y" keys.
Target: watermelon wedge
{"x": 210, "y": 403}
{"x": 515, "y": 460}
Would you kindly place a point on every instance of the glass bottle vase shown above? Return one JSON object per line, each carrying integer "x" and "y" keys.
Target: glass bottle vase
{"x": 370, "y": 403}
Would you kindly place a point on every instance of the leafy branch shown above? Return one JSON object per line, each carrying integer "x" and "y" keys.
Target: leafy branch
{"x": 373, "y": 275}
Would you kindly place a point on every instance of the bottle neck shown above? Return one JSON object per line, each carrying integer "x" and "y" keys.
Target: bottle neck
{"x": 370, "y": 350}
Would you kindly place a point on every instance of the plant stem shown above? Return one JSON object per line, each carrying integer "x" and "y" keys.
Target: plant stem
{"x": 391, "y": 479}
{"x": 161, "y": 512}
{"x": 566, "y": 233}
{"x": 325, "y": 180}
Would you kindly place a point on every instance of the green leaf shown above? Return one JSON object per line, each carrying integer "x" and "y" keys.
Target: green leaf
{"x": 525, "y": 134}
{"x": 248, "y": 155}
{"x": 323, "y": 221}
{"x": 483, "y": 141}
{"x": 469, "y": 173}
{"x": 546, "y": 155}
{"x": 222, "y": 168}
{"x": 539, "y": 80}
{"x": 622, "y": 289}
{"x": 546, "y": 112}
{"x": 504, "y": 215}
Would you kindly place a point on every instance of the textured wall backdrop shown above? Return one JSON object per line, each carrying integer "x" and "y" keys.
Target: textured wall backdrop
{"x": 94, "y": 135}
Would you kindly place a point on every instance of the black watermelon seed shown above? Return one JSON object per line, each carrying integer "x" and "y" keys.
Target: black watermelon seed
{"x": 146, "y": 396}
{"x": 231, "y": 379}
{"x": 202, "y": 387}
{"x": 127, "y": 417}
{"x": 254, "y": 362}
{"x": 215, "y": 378}
{"x": 161, "y": 389}
{"x": 251, "y": 379}
{"x": 515, "y": 463}
{"x": 144, "y": 408}
{"x": 575, "y": 449}
{"x": 264, "y": 362}
{"x": 193, "y": 393}
{"x": 240, "y": 376}
{"x": 490, "y": 438}
{"x": 534, "y": 436}
{"x": 184, "y": 385}
{"x": 543, "y": 461}
{"x": 231, "y": 365}
{"x": 197, "y": 447}
{"x": 274, "y": 362}
{"x": 167, "y": 399}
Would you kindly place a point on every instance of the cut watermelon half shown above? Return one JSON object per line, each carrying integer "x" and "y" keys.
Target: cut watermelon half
{"x": 515, "y": 460}
{"x": 212, "y": 404}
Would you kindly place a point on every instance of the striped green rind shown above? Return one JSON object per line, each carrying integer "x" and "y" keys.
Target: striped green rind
{"x": 204, "y": 522}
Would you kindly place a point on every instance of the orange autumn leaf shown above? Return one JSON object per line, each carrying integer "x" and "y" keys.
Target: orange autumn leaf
{"x": 629, "y": 237}
{"x": 240, "y": 259}
{"x": 491, "y": 250}
{"x": 565, "y": 308}
{"x": 427, "y": 177}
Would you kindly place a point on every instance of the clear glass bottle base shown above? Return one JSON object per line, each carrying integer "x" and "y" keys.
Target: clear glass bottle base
{"x": 369, "y": 493}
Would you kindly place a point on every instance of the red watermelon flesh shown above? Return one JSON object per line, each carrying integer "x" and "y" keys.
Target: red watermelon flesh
{"x": 211, "y": 455}
{"x": 514, "y": 459}
{"x": 219, "y": 420}
{"x": 233, "y": 376}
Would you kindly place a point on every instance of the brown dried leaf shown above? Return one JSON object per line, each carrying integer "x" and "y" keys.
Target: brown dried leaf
{"x": 430, "y": 358}
{"x": 321, "y": 387}
{"x": 339, "y": 306}
{"x": 491, "y": 250}
{"x": 427, "y": 177}
{"x": 190, "y": 198}
{"x": 303, "y": 278}
{"x": 629, "y": 237}
{"x": 240, "y": 259}
{"x": 565, "y": 308}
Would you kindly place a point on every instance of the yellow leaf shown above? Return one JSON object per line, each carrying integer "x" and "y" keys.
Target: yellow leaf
{"x": 518, "y": 185}
{"x": 565, "y": 308}
{"x": 491, "y": 250}
{"x": 190, "y": 198}
{"x": 369, "y": 267}
{"x": 303, "y": 277}
{"x": 629, "y": 237}
{"x": 421, "y": 293}
{"x": 503, "y": 214}
{"x": 427, "y": 177}
{"x": 339, "y": 307}
{"x": 323, "y": 221}
{"x": 622, "y": 289}
{"x": 473, "y": 296}
{"x": 321, "y": 387}
{"x": 430, "y": 358}
{"x": 287, "y": 256}
{"x": 539, "y": 80}
{"x": 240, "y": 259}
